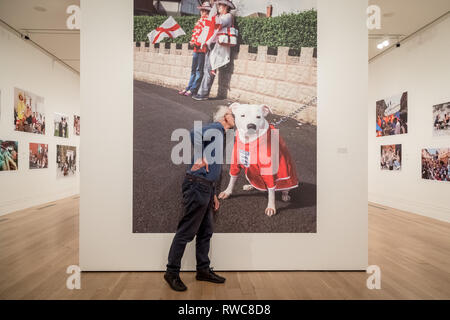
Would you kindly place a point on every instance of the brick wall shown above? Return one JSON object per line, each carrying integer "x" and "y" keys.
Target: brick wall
{"x": 285, "y": 83}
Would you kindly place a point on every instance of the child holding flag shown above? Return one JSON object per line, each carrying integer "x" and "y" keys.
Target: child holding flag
{"x": 220, "y": 21}
{"x": 198, "y": 57}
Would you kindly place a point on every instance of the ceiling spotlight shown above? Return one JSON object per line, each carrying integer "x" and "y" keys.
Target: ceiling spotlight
{"x": 383, "y": 44}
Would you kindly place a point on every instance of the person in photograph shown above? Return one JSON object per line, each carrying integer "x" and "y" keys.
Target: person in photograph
{"x": 437, "y": 121}
{"x": 76, "y": 125}
{"x": 198, "y": 57}
{"x": 20, "y": 112}
{"x": 66, "y": 128}
{"x": 397, "y": 126}
{"x": 199, "y": 200}
{"x": 60, "y": 128}
{"x": 219, "y": 55}
{"x": 28, "y": 119}
{"x": 397, "y": 161}
{"x": 8, "y": 159}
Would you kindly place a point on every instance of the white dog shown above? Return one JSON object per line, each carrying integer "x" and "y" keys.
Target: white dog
{"x": 267, "y": 167}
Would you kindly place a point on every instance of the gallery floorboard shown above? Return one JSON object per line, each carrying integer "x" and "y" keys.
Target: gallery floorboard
{"x": 37, "y": 245}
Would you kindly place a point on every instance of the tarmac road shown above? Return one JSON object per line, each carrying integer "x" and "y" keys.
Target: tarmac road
{"x": 157, "y": 181}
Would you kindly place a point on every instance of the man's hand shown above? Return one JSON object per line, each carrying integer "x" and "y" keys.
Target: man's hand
{"x": 200, "y": 163}
{"x": 216, "y": 203}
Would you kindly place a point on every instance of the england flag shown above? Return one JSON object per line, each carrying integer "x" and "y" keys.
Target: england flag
{"x": 169, "y": 29}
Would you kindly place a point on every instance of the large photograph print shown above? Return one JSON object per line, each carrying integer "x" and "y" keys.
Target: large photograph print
{"x": 392, "y": 115}
{"x": 29, "y": 113}
{"x": 227, "y": 97}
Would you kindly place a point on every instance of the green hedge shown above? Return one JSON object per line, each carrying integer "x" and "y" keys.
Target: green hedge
{"x": 294, "y": 30}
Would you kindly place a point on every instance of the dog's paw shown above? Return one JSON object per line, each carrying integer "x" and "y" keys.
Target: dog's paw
{"x": 285, "y": 197}
{"x": 224, "y": 195}
{"x": 270, "y": 211}
{"x": 247, "y": 187}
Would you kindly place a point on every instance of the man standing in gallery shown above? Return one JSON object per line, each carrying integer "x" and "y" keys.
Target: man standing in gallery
{"x": 199, "y": 200}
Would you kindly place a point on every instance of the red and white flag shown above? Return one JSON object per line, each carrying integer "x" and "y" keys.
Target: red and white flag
{"x": 169, "y": 29}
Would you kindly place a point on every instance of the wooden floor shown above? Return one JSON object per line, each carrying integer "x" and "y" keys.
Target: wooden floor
{"x": 37, "y": 245}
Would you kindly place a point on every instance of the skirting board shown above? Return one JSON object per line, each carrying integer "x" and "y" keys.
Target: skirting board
{"x": 413, "y": 206}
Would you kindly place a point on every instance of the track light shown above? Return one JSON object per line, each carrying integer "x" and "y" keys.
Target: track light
{"x": 383, "y": 44}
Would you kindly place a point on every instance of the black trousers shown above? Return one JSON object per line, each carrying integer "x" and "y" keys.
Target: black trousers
{"x": 197, "y": 220}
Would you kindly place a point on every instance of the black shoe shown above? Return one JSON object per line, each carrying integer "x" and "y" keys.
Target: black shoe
{"x": 175, "y": 282}
{"x": 209, "y": 275}
{"x": 199, "y": 98}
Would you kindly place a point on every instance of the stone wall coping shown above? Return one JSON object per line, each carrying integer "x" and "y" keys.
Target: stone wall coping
{"x": 261, "y": 55}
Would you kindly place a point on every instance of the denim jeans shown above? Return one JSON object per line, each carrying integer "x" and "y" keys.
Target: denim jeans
{"x": 198, "y": 61}
{"x": 208, "y": 78}
{"x": 198, "y": 199}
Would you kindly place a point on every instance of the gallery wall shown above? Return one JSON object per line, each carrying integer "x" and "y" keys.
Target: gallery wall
{"x": 26, "y": 67}
{"x": 421, "y": 67}
{"x": 107, "y": 241}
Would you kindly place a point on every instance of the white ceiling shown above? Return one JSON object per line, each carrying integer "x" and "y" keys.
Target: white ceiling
{"x": 48, "y": 28}
{"x": 403, "y": 17}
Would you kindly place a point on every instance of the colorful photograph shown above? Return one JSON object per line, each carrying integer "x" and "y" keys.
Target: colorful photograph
{"x": 29, "y": 113}
{"x": 435, "y": 164}
{"x": 441, "y": 119}
{"x": 391, "y": 157}
{"x": 38, "y": 156}
{"x": 392, "y": 115}
{"x": 61, "y": 125}
{"x": 76, "y": 125}
{"x": 66, "y": 160}
{"x": 9, "y": 155}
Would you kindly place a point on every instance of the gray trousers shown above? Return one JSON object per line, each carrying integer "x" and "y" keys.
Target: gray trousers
{"x": 208, "y": 78}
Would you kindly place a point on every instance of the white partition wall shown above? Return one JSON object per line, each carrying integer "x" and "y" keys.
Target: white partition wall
{"x": 421, "y": 67}
{"x": 107, "y": 241}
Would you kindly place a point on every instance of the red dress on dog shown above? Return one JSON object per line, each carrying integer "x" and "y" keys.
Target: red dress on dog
{"x": 261, "y": 171}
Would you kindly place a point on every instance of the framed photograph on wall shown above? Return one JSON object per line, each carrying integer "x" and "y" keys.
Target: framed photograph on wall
{"x": 391, "y": 157}
{"x": 441, "y": 119}
{"x": 435, "y": 164}
{"x": 392, "y": 115}
{"x": 76, "y": 125}
{"x": 38, "y": 158}
{"x": 29, "y": 113}
{"x": 9, "y": 155}
{"x": 66, "y": 161}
